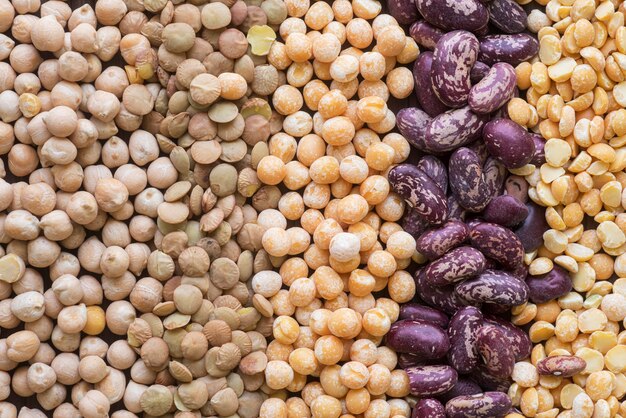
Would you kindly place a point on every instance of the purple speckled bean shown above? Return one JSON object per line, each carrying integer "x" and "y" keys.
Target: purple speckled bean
{"x": 530, "y": 233}
{"x": 455, "y": 210}
{"x": 450, "y": 15}
{"x": 431, "y": 380}
{"x": 453, "y": 129}
{"x": 413, "y": 223}
{"x": 435, "y": 169}
{"x": 481, "y": 151}
{"x": 424, "y": 91}
{"x": 486, "y": 405}
{"x": 406, "y": 360}
{"x": 417, "y": 312}
{"x": 494, "y": 174}
{"x": 520, "y": 272}
{"x": 507, "y": 15}
{"x": 463, "y": 387}
{"x": 464, "y": 325}
{"x": 453, "y": 59}
{"x": 499, "y": 243}
{"x": 540, "y": 155}
{"x": 562, "y": 366}
{"x": 494, "y": 90}
{"x": 404, "y": 11}
{"x": 422, "y": 339}
{"x": 549, "y": 286}
{"x": 412, "y": 124}
{"x": 517, "y": 186}
{"x": 479, "y": 71}
{"x": 489, "y": 382}
{"x": 457, "y": 265}
{"x": 518, "y": 339}
{"x": 466, "y": 180}
{"x": 505, "y": 210}
{"x": 437, "y": 241}
{"x": 444, "y": 298}
{"x": 495, "y": 350}
{"x": 424, "y": 196}
{"x": 508, "y": 142}
{"x": 513, "y": 49}
{"x": 429, "y": 408}
{"x": 425, "y": 34}
{"x": 493, "y": 286}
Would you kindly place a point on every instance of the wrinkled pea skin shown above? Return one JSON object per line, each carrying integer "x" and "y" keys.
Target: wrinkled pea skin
{"x": 486, "y": 405}
{"x": 431, "y": 380}
{"x": 417, "y": 312}
{"x": 464, "y": 325}
{"x": 425, "y": 34}
{"x": 466, "y": 180}
{"x": 453, "y": 59}
{"x": 435, "y": 242}
{"x": 425, "y": 197}
{"x": 422, "y": 339}
{"x": 450, "y": 15}
{"x": 424, "y": 90}
{"x": 509, "y": 143}
{"x": 505, "y": 210}
{"x": 444, "y": 298}
{"x": 512, "y": 49}
{"x": 562, "y": 366}
{"x": 499, "y": 243}
{"x": 404, "y": 11}
{"x": 493, "y": 286}
{"x": 453, "y": 129}
{"x": 412, "y": 124}
{"x": 530, "y": 232}
{"x": 429, "y": 408}
{"x": 459, "y": 264}
{"x": 435, "y": 169}
{"x": 507, "y": 15}
{"x": 493, "y": 90}
{"x": 487, "y": 381}
{"x": 517, "y": 337}
{"x": 552, "y": 285}
{"x": 495, "y": 350}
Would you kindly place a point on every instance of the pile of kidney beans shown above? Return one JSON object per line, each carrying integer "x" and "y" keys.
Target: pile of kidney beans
{"x": 472, "y": 220}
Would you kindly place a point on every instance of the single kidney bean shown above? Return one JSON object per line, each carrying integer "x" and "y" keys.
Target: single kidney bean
{"x": 518, "y": 339}
{"x": 431, "y": 380}
{"x": 466, "y": 180}
{"x": 444, "y": 298}
{"x": 424, "y": 90}
{"x": 530, "y": 232}
{"x": 417, "y": 312}
{"x": 422, "y": 339}
{"x": 429, "y": 408}
{"x": 453, "y": 59}
{"x": 505, "y": 210}
{"x": 487, "y": 381}
{"x": 463, "y": 329}
{"x": 486, "y": 405}
{"x": 493, "y": 286}
{"x": 425, "y": 34}
{"x": 494, "y": 89}
{"x": 549, "y": 286}
{"x": 435, "y": 169}
{"x": 495, "y": 351}
{"x": 512, "y": 49}
{"x": 499, "y": 243}
{"x": 508, "y": 142}
{"x": 449, "y": 15}
{"x": 463, "y": 387}
{"x": 437, "y": 241}
{"x": 458, "y": 264}
{"x": 562, "y": 366}
{"x": 507, "y": 15}
{"x": 453, "y": 129}
{"x": 417, "y": 187}
{"x": 412, "y": 123}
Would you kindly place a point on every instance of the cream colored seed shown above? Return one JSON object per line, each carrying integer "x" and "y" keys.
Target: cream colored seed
{"x": 557, "y": 152}
{"x": 567, "y": 262}
{"x": 555, "y": 241}
{"x": 610, "y": 235}
{"x": 541, "y": 265}
{"x": 592, "y": 301}
{"x": 579, "y": 252}
{"x": 615, "y": 359}
{"x": 592, "y": 320}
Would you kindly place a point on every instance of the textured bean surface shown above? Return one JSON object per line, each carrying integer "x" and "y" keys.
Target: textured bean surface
{"x": 563, "y": 366}
{"x": 459, "y": 264}
{"x": 431, "y": 380}
{"x": 453, "y": 129}
{"x": 463, "y": 330}
{"x": 467, "y": 181}
{"x": 437, "y": 241}
{"x": 499, "y": 243}
{"x": 424, "y": 90}
{"x": 493, "y": 286}
{"x": 454, "y": 14}
{"x": 425, "y": 197}
{"x": 423, "y": 339}
{"x": 512, "y": 49}
{"x": 494, "y": 89}
{"x": 495, "y": 351}
{"x": 486, "y": 405}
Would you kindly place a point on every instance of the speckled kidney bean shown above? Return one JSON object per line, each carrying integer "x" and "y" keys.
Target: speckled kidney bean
{"x": 540, "y": 155}
{"x": 464, "y": 325}
{"x": 425, "y": 197}
{"x": 466, "y": 180}
{"x": 494, "y": 89}
{"x": 453, "y": 59}
{"x": 424, "y": 90}
{"x": 463, "y": 387}
{"x": 404, "y": 11}
{"x": 478, "y": 72}
{"x": 409, "y": 360}
{"x": 455, "y": 210}
{"x": 517, "y": 187}
{"x": 444, "y": 298}
{"x": 499, "y": 243}
{"x": 508, "y": 142}
{"x": 551, "y": 285}
{"x": 449, "y": 15}
{"x": 425, "y": 34}
{"x": 417, "y": 312}
{"x": 486, "y": 405}
{"x": 412, "y": 124}
{"x": 562, "y": 366}
{"x": 507, "y": 15}
{"x": 435, "y": 169}
{"x": 437, "y": 241}
{"x": 493, "y": 286}
{"x": 431, "y": 380}
{"x": 530, "y": 232}
{"x": 495, "y": 350}
{"x": 453, "y": 129}
{"x": 487, "y": 381}
{"x": 413, "y": 223}
{"x": 429, "y": 408}
{"x": 513, "y": 49}
{"x": 517, "y": 337}
{"x": 505, "y": 210}
{"x": 457, "y": 265}
{"x": 422, "y": 339}
{"x": 494, "y": 174}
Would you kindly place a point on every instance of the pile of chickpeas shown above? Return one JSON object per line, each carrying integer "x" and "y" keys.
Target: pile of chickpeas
{"x": 574, "y": 100}
{"x": 195, "y": 218}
